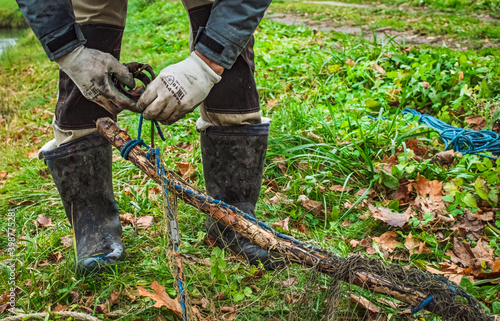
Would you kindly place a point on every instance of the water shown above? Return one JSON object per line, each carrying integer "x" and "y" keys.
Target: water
{"x": 8, "y": 37}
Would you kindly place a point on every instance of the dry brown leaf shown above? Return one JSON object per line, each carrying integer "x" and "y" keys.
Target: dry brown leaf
{"x": 114, "y": 298}
{"x": 425, "y": 187}
{"x": 145, "y": 222}
{"x": 283, "y": 224}
{"x": 60, "y": 308}
{"x": 402, "y": 193}
{"x": 482, "y": 253}
{"x": 476, "y": 122}
{"x": 425, "y": 84}
{"x": 44, "y": 221}
{"x": 444, "y": 158}
{"x": 271, "y": 103}
{"x": 364, "y": 303}
{"x": 350, "y": 62}
{"x": 314, "y": 137}
{"x": 280, "y": 198}
{"x": 290, "y": 282}
{"x": 416, "y": 246}
{"x": 387, "y": 242}
{"x": 340, "y": 188}
{"x": 389, "y": 161}
{"x": 185, "y": 169}
{"x": 185, "y": 145}
{"x": 161, "y": 298}
{"x": 55, "y": 257}
{"x": 463, "y": 252}
{"x": 390, "y": 217}
{"x": 315, "y": 207}
{"x": 412, "y": 144}
{"x": 378, "y": 69}
{"x": 32, "y": 153}
{"x": 67, "y": 241}
{"x": 460, "y": 75}
{"x": 128, "y": 219}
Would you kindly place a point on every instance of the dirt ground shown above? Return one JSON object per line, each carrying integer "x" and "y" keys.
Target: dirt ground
{"x": 381, "y": 34}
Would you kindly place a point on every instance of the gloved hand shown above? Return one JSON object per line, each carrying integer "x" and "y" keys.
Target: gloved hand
{"x": 91, "y": 70}
{"x": 177, "y": 90}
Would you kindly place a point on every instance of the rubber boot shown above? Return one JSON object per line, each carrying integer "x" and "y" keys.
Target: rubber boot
{"x": 81, "y": 170}
{"x": 233, "y": 160}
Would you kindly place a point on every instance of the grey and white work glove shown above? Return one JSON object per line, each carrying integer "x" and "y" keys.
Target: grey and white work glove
{"x": 177, "y": 90}
{"x": 92, "y": 70}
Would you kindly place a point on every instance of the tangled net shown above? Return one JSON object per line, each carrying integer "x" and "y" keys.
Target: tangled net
{"x": 331, "y": 279}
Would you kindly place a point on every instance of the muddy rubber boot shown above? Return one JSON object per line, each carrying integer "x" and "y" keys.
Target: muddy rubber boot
{"x": 81, "y": 170}
{"x": 233, "y": 160}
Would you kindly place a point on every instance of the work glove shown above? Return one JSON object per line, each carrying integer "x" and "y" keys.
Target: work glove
{"x": 92, "y": 71}
{"x": 177, "y": 90}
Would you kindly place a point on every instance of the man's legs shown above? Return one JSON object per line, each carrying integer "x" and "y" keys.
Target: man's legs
{"x": 79, "y": 159}
{"x": 233, "y": 143}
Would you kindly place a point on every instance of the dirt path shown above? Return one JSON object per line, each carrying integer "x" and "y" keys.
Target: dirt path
{"x": 382, "y": 35}
{"x": 403, "y": 7}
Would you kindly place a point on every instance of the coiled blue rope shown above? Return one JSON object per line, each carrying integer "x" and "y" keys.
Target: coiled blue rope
{"x": 465, "y": 141}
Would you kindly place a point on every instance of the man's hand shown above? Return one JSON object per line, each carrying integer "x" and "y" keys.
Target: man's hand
{"x": 91, "y": 70}
{"x": 178, "y": 89}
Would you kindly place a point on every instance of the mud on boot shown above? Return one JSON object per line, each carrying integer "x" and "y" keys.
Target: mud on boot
{"x": 233, "y": 160}
{"x": 81, "y": 170}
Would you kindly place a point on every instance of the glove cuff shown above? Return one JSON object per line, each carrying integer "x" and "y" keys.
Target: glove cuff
{"x": 211, "y": 75}
{"x": 69, "y": 59}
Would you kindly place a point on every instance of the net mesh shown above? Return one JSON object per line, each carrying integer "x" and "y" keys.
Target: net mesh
{"x": 322, "y": 286}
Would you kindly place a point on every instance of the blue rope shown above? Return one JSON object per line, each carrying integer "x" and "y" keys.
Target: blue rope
{"x": 422, "y": 305}
{"x": 465, "y": 141}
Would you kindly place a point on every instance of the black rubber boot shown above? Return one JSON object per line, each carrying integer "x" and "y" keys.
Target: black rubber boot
{"x": 81, "y": 170}
{"x": 233, "y": 160}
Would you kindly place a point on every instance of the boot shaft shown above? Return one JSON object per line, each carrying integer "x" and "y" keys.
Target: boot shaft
{"x": 233, "y": 161}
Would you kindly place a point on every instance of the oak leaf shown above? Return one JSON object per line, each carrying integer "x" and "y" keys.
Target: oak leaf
{"x": 161, "y": 297}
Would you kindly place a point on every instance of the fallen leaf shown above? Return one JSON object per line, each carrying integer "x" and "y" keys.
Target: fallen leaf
{"x": 425, "y": 84}
{"x": 161, "y": 298}
{"x": 271, "y": 103}
{"x": 390, "y": 217}
{"x": 280, "y": 198}
{"x": 460, "y": 75}
{"x": 114, "y": 298}
{"x": 44, "y": 221}
{"x": 128, "y": 218}
{"x": 340, "y": 188}
{"x": 145, "y": 222}
{"x": 289, "y": 282}
{"x": 463, "y": 253}
{"x": 315, "y": 207}
{"x": 364, "y": 303}
{"x": 425, "y": 187}
{"x": 283, "y": 224}
{"x": 477, "y": 122}
{"x": 67, "y": 241}
{"x": 185, "y": 169}
{"x": 350, "y": 62}
{"x": 60, "y": 308}
{"x": 444, "y": 158}
{"x": 315, "y": 137}
{"x": 378, "y": 69}
{"x": 390, "y": 162}
{"x": 55, "y": 257}
{"x": 416, "y": 246}
{"x": 33, "y": 153}
{"x": 387, "y": 241}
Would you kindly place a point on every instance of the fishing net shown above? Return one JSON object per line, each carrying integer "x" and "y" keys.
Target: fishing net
{"x": 311, "y": 283}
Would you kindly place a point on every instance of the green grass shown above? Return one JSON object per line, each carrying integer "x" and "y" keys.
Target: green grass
{"x": 10, "y": 15}
{"x": 467, "y": 31}
{"x": 317, "y": 102}
{"x": 464, "y": 7}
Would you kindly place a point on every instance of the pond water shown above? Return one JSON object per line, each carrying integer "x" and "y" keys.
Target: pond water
{"x": 8, "y": 37}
